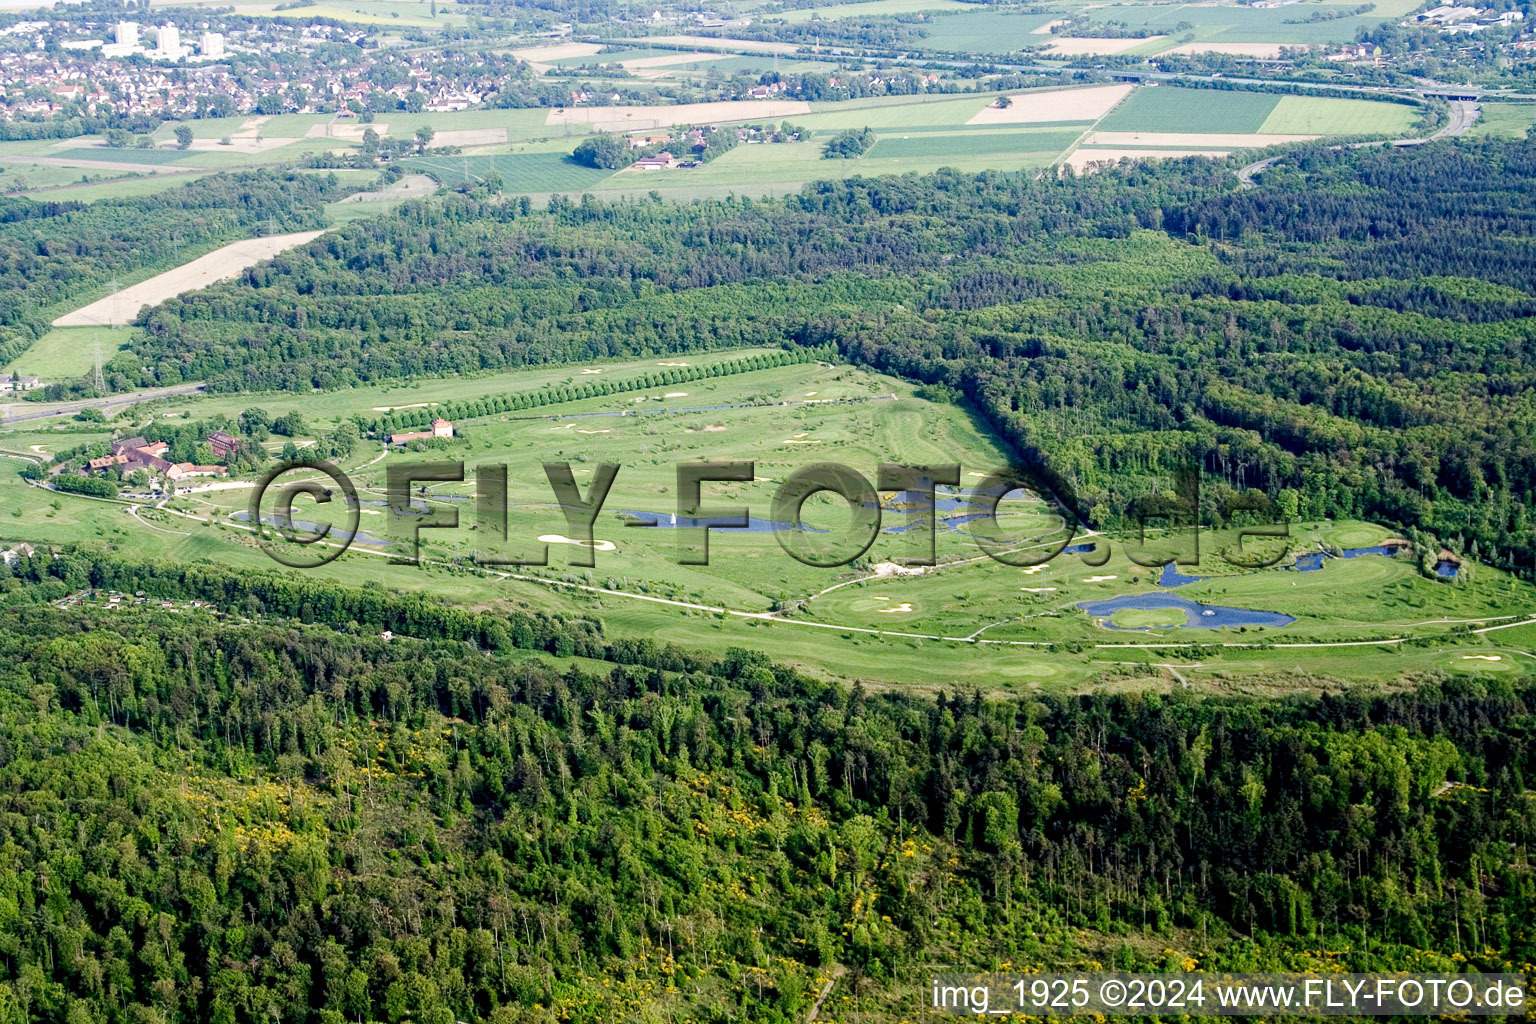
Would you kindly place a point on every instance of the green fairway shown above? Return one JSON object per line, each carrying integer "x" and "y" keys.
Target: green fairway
{"x": 1019, "y": 626}
{"x": 1323, "y": 115}
{"x": 1169, "y": 109}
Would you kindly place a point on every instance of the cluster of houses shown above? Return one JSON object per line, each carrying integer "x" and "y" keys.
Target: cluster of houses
{"x": 440, "y": 428}
{"x": 135, "y": 453}
{"x": 13, "y": 382}
{"x": 187, "y": 71}
{"x": 1456, "y": 18}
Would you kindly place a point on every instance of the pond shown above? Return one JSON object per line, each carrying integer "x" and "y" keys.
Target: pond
{"x": 1200, "y": 616}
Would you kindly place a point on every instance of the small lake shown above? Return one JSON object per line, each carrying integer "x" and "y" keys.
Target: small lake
{"x": 1199, "y": 616}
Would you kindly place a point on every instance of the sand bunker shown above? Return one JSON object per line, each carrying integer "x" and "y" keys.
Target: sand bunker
{"x": 593, "y": 431}
{"x": 671, "y": 364}
{"x": 597, "y": 545}
{"x": 894, "y": 608}
{"x": 1083, "y": 159}
{"x": 392, "y": 408}
{"x": 1099, "y": 579}
{"x": 219, "y": 265}
{"x": 625, "y": 118}
{"x": 593, "y": 369}
{"x": 1192, "y": 140}
{"x": 675, "y": 394}
{"x": 1482, "y": 657}
{"x": 1088, "y": 46}
{"x": 1057, "y": 105}
{"x": 1037, "y": 590}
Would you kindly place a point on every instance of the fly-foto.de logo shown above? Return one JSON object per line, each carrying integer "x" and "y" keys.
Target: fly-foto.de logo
{"x": 305, "y": 514}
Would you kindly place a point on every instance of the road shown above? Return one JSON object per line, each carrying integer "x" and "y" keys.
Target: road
{"x": 20, "y": 412}
{"x": 1463, "y": 116}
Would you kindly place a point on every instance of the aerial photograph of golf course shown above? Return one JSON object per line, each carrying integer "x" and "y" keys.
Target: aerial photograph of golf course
{"x": 772, "y": 512}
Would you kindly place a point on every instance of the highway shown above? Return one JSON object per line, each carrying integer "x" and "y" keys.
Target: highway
{"x": 20, "y": 412}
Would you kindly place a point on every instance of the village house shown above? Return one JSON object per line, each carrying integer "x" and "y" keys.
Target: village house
{"x": 440, "y": 428}
{"x": 223, "y": 443}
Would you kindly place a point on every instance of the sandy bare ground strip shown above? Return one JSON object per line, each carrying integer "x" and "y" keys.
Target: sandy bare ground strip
{"x": 1086, "y": 46}
{"x": 1081, "y": 158}
{"x": 1062, "y": 105}
{"x": 743, "y": 45}
{"x": 646, "y": 63}
{"x": 621, "y": 118}
{"x": 556, "y": 51}
{"x": 1266, "y": 50}
{"x": 1191, "y": 140}
{"x": 237, "y": 144}
{"x": 1045, "y": 30}
{"x": 219, "y": 265}
{"x": 470, "y": 137}
{"x": 344, "y": 130}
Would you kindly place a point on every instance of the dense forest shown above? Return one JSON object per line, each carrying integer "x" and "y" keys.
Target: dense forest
{"x": 54, "y": 251}
{"x": 234, "y": 798}
{"x": 1354, "y": 336}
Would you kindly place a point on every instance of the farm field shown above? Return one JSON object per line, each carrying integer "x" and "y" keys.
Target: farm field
{"x": 983, "y": 31}
{"x": 959, "y": 145}
{"x": 521, "y": 172}
{"x": 1165, "y": 109}
{"x": 1323, "y": 115}
{"x": 403, "y": 13}
{"x": 1020, "y": 627}
{"x": 1232, "y": 23}
{"x": 867, "y": 9}
{"x": 220, "y": 265}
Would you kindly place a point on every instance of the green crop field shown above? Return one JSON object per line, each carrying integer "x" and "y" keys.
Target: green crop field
{"x": 1322, "y": 115}
{"x": 521, "y": 172}
{"x": 901, "y": 112}
{"x": 1232, "y": 23}
{"x": 1165, "y": 109}
{"x": 970, "y": 144}
{"x": 868, "y": 9}
{"x": 984, "y": 31}
{"x": 124, "y": 156}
